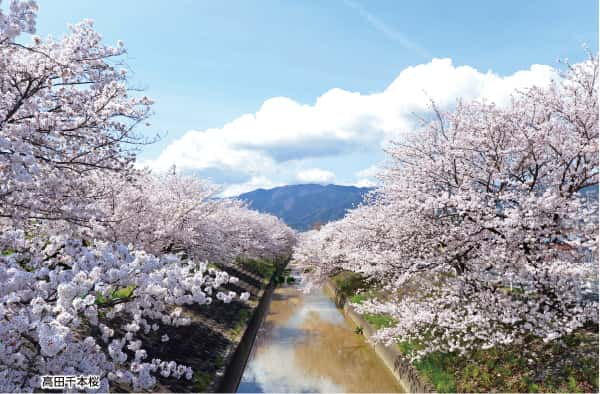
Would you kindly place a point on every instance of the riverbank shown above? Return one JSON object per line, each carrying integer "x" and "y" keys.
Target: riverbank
{"x": 213, "y": 345}
{"x": 236, "y": 362}
{"x": 406, "y": 375}
{"x": 568, "y": 364}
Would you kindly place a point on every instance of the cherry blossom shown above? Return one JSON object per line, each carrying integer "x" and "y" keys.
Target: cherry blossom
{"x": 95, "y": 255}
{"x": 479, "y": 234}
{"x": 66, "y": 114}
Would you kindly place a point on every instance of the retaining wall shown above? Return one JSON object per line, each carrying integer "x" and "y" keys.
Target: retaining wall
{"x": 403, "y": 371}
{"x": 236, "y": 362}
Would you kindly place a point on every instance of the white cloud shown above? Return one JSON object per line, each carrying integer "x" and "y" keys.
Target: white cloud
{"x": 259, "y": 182}
{"x": 339, "y": 123}
{"x": 365, "y": 182}
{"x": 367, "y": 177}
{"x": 368, "y": 172}
{"x": 315, "y": 175}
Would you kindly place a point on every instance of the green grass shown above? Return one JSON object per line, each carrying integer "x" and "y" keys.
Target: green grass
{"x": 514, "y": 289}
{"x": 359, "y": 298}
{"x": 378, "y": 320}
{"x": 284, "y": 277}
{"x": 122, "y": 293}
{"x": 499, "y": 369}
{"x": 435, "y": 368}
{"x": 243, "y": 317}
{"x": 262, "y": 267}
{"x": 220, "y": 361}
{"x": 506, "y": 368}
{"x": 201, "y": 381}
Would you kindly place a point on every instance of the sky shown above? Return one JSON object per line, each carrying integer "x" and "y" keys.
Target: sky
{"x": 259, "y": 94}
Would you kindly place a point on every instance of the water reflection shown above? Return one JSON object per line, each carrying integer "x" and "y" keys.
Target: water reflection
{"x": 306, "y": 345}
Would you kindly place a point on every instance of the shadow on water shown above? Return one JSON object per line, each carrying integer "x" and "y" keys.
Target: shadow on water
{"x": 306, "y": 345}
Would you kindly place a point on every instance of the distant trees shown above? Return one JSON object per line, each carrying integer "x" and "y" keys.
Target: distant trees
{"x": 87, "y": 242}
{"x": 170, "y": 212}
{"x": 479, "y": 231}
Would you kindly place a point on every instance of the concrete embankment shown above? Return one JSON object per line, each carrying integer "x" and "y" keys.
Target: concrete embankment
{"x": 235, "y": 360}
{"x": 401, "y": 368}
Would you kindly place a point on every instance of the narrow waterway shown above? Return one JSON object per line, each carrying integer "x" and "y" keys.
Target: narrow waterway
{"x": 306, "y": 345}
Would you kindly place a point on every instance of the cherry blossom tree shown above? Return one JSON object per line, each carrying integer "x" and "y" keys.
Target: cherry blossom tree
{"x": 73, "y": 304}
{"x": 61, "y": 311}
{"x": 88, "y": 262}
{"x": 248, "y": 233}
{"x": 66, "y": 113}
{"x": 479, "y": 231}
{"x": 170, "y": 212}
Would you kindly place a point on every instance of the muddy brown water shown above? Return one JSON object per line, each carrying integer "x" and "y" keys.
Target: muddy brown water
{"x": 306, "y": 345}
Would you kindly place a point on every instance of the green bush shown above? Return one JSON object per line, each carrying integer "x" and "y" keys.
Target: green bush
{"x": 348, "y": 283}
{"x": 262, "y": 267}
{"x": 201, "y": 381}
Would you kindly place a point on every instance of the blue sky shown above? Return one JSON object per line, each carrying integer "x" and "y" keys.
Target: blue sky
{"x": 273, "y": 92}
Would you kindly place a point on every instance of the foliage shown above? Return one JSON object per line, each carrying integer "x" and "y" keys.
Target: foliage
{"x": 170, "y": 212}
{"x": 265, "y": 268}
{"x": 81, "y": 308}
{"x": 241, "y": 322}
{"x": 348, "y": 283}
{"x": 201, "y": 381}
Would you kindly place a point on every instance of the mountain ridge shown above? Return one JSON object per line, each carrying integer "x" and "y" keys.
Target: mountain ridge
{"x": 301, "y": 206}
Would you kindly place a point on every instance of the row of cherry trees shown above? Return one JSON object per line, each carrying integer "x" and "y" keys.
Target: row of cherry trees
{"x": 95, "y": 252}
{"x": 479, "y": 233}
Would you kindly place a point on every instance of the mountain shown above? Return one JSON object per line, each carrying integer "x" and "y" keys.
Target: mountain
{"x": 301, "y": 206}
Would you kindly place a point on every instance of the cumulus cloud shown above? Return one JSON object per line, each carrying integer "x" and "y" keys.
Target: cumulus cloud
{"x": 315, "y": 175}
{"x": 368, "y": 172}
{"x": 250, "y": 149}
{"x": 257, "y": 182}
{"x": 367, "y": 177}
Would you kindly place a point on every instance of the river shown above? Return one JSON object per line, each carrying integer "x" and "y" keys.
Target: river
{"x": 305, "y": 344}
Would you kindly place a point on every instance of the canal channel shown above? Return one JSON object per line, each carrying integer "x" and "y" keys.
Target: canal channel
{"x": 305, "y": 344}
